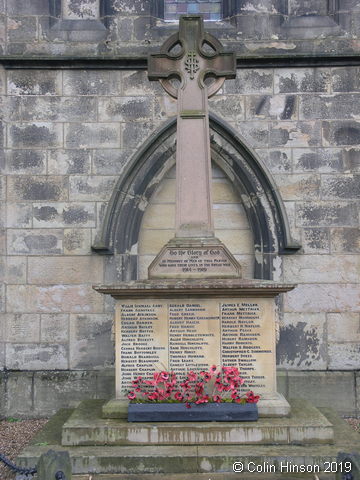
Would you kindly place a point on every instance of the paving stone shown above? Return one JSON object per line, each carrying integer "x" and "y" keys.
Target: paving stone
{"x": 34, "y": 242}
{"x": 345, "y": 240}
{"x": 292, "y": 80}
{"x": 92, "y": 135}
{"x": 28, "y": 135}
{"x": 66, "y": 270}
{"x": 34, "y": 82}
{"x": 54, "y": 328}
{"x": 90, "y": 341}
{"x": 67, "y": 162}
{"x": 97, "y": 82}
{"x": 36, "y": 356}
{"x": 21, "y": 29}
{"x": 64, "y": 215}
{"x": 53, "y": 299}
{"x": 38, "y": 188}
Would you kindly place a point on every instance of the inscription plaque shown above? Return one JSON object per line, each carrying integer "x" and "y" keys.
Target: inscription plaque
{"x": 193, "y": 334}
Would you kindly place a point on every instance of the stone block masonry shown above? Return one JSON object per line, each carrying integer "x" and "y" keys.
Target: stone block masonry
{"x": 68, "y": 135}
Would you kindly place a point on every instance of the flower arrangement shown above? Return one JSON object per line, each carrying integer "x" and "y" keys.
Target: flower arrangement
{"x": 217, "y": 385}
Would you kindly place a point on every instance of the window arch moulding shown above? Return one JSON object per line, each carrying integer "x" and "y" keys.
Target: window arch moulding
{"x": 263, "y": 205}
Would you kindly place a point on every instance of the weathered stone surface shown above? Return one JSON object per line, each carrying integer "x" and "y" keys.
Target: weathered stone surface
{"x": 302, "y": 342}
{"x": 137, "y": 83}
{"x": 323, "y": 160}
{"x": 13, "y": 270}
{"x": 302, "y": 80}
{"x": 52, "y": 462}
{"x": 64, "y": 215}
{"x": 341, "y": 133}
{"x": 323, "y": 298}
{"x": 346, "y": 79}
{"x": 322, "y": 214}
{"x": 74, "y": 9}
{"x": 340, "y": 187}
{"x": 294, "y": 134}
{"x": 53, "y": 270}
{"x": 345, "y": 240}
{"x": 91, "y": 188}
{"x": 310, "y": 7}
{"x": 34, "y": 82}
{"x": 25, "y": 162}
{"x": 96, "y": 135}
{"x": 28, "y": 135}
{"x": 316, "y": 240}
{"x": 66, "y": 162}
{"x": 54, "y": 328}
{"x": 250, "y": 81}
{"x": 19, "y": 393}
{"x": 53, "y": 299}
{"x": 344, "y": 356}
{"x": 98, "y": 82}
{"x": 23, "y": 7}
{"x": 58, "y": 109}
{"x": 255, "y": 134}
{"x": 321, "y": 386}
{"x": 231, "y": 107}
{"x": 22, "y": 328}
{"x": 27, "y": 356}
{"x": 125, "y": 109}
{"x": 134, "y": 134}
{"x": 54, "y": 390}
{"x": 272, "y": 107}
{"x": 321, "y": 269}
{"x": 90, "y": 341}
{"x": 110, "y": 161}
{"x": 329, "y": 107}
{"x": 298, "y": 187}
{"x": 34, "y": 242}
{"x": 77, "y": 241}
{"x": 19, "y": 215}
{"x": 343, "y": 327}
{"x": 21, "y": 29}
{"x": 38, "y": 188}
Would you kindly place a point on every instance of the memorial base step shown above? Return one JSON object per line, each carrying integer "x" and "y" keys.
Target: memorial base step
{"x": 305, "y": 425}
{"x": 206, "y": 476}
{"x": 274, "y": 405}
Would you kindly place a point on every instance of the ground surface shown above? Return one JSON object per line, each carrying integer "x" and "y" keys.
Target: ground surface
{"x": 15, "y": 435}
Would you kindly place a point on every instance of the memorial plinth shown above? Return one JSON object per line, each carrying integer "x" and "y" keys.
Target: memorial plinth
{"x": 190, "y": 324}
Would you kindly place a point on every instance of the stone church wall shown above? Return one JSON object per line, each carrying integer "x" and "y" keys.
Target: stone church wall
{"x": 69, "y": 133}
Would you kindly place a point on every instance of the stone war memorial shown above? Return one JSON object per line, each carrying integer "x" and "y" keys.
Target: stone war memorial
{"x": 179, "y": 186}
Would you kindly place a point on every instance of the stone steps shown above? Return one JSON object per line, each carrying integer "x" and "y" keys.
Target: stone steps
{"x": 306, "y": 425}
{"x": 178, "y": 460}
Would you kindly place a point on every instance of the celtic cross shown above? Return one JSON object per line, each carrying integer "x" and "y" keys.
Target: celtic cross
{"x": 191, "y": 56}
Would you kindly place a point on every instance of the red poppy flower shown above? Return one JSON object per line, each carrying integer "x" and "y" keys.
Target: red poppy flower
{"x": 131, "y": 395}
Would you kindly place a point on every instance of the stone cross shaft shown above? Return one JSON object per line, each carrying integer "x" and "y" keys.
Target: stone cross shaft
{"x": 192, "y": 56}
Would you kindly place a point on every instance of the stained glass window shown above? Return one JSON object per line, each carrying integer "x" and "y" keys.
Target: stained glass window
{"x": 209, "y": 9}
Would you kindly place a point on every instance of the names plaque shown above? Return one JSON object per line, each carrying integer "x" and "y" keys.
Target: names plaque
{"x": 193, "y": 334}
